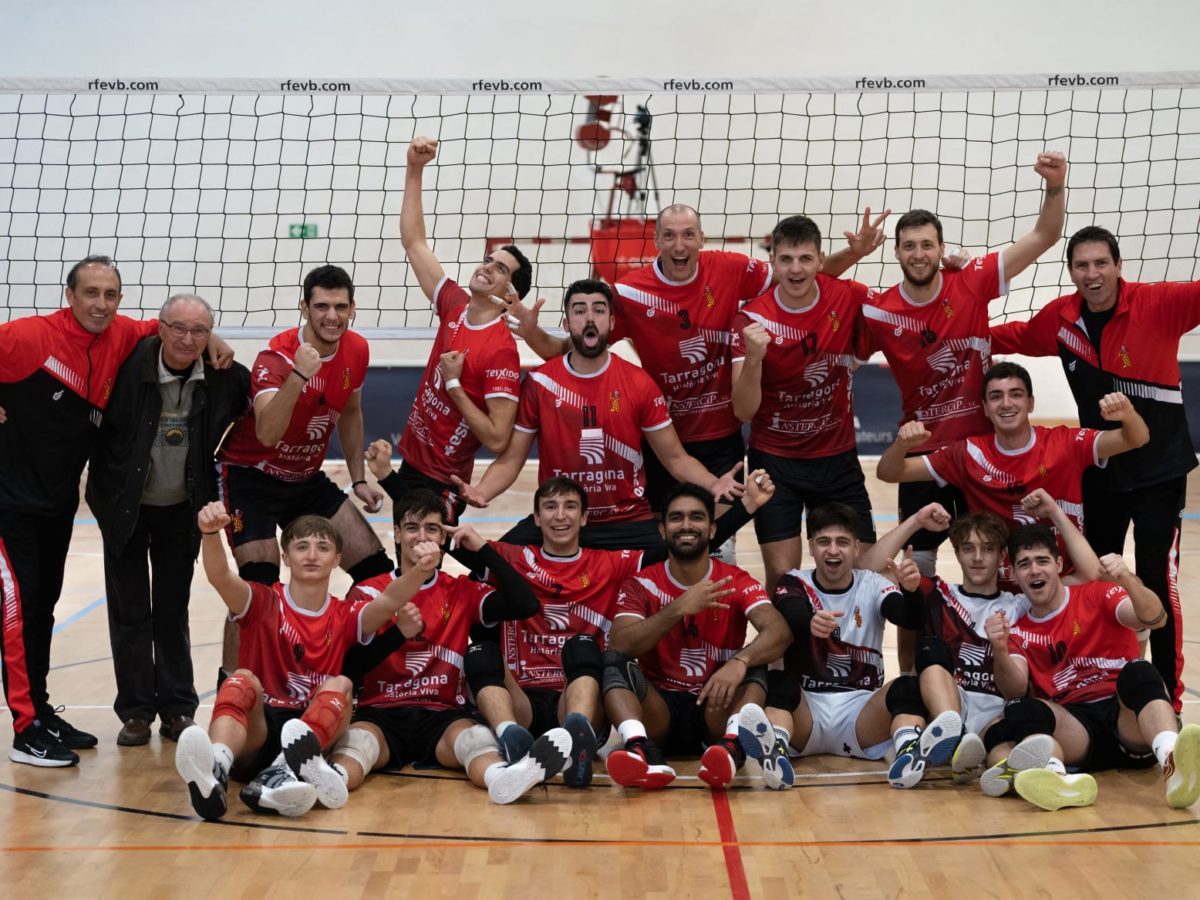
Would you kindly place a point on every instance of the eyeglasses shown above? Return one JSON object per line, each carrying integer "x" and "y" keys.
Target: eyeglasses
{"x": 179, "y": 330}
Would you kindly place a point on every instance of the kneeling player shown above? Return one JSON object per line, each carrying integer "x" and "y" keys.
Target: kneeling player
{"x": 410, "y": 709}
{"x": 1077, "y": 648}
{"x": 830, "y": 697}
{"x": 684, "y": 620}
{"x": 287, "y": 700}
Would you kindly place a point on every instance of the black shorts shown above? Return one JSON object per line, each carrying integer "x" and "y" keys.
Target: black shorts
{"x": 408, "y": 477}
{"x": 544, "y": 704}
{"x": 687, "y": 732}
{"x": 914, "y": 495}
{"x": 260, "y": 503}
{"x": 412, "y": 732}
{"x": 805, "y": 484}
{"x": 640, "y": 535}
{"x": 276, "y": 716}
{"x": 1105, "y": 751}
{"x": 718, "y": 456}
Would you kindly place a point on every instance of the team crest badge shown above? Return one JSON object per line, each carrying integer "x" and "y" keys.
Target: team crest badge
{"x": 108, "y": 387}
{"x": 1076, "y": 629}
{"x": 585, "y": 580}
{"x": 614, "y": 402}
{"x": 1042, "y": 470}
{"x": 1125, "y": 360}
{"x": 834, "y": 323}
{"x": 445, "y": 613}
{"x": 237, "y": 521}
{"x": 346, "y": 379}
{"x": 947, "y": 308}
{"x": 709, "y": 300}
{"x": 857, "y": 618}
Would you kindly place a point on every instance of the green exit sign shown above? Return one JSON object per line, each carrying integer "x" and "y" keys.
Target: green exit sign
{"x": 303, "y": 230}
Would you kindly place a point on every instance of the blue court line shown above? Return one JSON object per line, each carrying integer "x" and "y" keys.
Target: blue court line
{"x": 76, "y": 616}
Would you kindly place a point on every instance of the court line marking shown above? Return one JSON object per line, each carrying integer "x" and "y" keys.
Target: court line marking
{"x": 734, "y": 867}
{"x": 79, "y": 614}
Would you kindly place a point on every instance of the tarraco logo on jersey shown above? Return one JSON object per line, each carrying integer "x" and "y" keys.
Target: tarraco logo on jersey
{"x": 693, "y": 350}
{"x": 838, "y": 664}
{"x": 416, "y": 663}
{"x": 318, "y": 426}
{"x": 591, "y": 445}
{"x": 693, "y": 661}
{"x": 973, "y": 654}
{"x": 557, "y": 615}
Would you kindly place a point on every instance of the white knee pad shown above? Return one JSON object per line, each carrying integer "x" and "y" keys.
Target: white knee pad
{"x": 926, "y": 561}
{"x": 473, "y": 743}
{"x": 360, "y": 745}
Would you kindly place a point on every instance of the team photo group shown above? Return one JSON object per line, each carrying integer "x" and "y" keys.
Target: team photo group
{"x": 611, "y": 629}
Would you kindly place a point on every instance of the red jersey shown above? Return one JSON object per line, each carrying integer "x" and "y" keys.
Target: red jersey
{"x": 590, "y": 429}
{"x": 959, "y": 618}
{"x": 806, "y": 389}
{"x": 293, "y": 650}
{"x": 437, "y": 440}
{"x": 689, "y": 654}
{"x": 299, "y": 454}
{"x": 850, "y": 659}
{"x": 578, "y": 595}
{"x": 939, "y": 351}
{"x": 427, "y": 672}
{"x": 995, "y": 480}
{"x": 1076, "y": 653}
{"x": 680, "y": 331}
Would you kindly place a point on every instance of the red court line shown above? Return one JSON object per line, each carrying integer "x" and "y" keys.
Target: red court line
{"x": 738, "y": 887}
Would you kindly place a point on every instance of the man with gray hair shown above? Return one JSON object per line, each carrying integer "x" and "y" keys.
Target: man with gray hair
{"x": 150, "y": 474}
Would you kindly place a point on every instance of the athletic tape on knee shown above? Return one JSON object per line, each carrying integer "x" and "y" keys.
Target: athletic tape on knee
{"x": 783, "y": 690}
{"x": 259, "y": 572}
{"x": 904, "y": 698}
{"x": 473, "y": 743}
{"x": 235, "y": 699}
{"x": 756, "y": 675}
{"x": 484, "y": 666}
{"x": 326, "y": 715}
{"x": 581, "y": 658}
{"x": 926, "y": 561}
{"x": 1023, "y": 717}
{"x": 360, "y": 745}
{"x": 1139, "y": 683}
{"x": 932, "y": 651}
{"x": 376, "y": 564}
{"x": 622, "y": 673}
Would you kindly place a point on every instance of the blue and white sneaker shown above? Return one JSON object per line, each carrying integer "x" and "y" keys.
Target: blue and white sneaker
{"x": 763, "y": 744}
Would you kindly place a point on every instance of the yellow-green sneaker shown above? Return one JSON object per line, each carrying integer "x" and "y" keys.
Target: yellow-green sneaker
{"x": 1050, "y": 790}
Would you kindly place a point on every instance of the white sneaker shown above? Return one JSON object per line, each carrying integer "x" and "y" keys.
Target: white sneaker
{"x": 302, "y": 750}
{"x": 548, "y": 756}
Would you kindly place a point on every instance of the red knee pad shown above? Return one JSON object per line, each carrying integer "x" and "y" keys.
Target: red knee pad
{"x": 327, "y": 715}
{"x": 237, "y": 696}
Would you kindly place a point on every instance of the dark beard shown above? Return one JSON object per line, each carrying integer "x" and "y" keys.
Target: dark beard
{"x": 589, "y": 352}
{"x": 687, "y": 554}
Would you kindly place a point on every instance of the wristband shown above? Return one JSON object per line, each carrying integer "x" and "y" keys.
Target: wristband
{"x": 1152, "y": 622}
{"x": 453, "y": 383}
{"x": 218, "y": 531}
{"x": 303, "y": 378}
{"x": 355, "y": 484}
{"x": 742, "y": 661}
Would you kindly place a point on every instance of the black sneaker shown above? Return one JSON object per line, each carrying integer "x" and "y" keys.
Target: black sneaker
{"x": 207, "y": 781}
{"x": 36, "y": 746}
{"x": 515, "y": 743}
{"x": 578, "y": 773}
{"x": 62, "y": 730}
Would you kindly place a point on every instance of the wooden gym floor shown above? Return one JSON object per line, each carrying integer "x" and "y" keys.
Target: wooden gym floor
{"x": 120, "y": 823}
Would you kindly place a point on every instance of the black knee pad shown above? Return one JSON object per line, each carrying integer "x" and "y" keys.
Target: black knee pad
{"x": 1139, "y": 683}
{"x": 581, "y": 658}
{"x": 797, "y": 612}
{"x": 484, "y": 666}
{"x": 376, "y": 564}
{"x": 932, "y": 651}
{"x": 904, "y": 698}
{"x": 481, "y": 633}
{"x": 1022, "y": 717}
{"x": 259, "y": 572}
{"x": 622, "y": 673}
{"x": 756, "y": 675}
{"x": 783, "y": 690}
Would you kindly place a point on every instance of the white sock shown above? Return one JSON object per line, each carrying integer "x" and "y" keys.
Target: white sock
{"x": 1163, "y": 744}
{"x": 503, "y": 726}
{"x": 904, "y": 735}
{"x": 784, "y": 735}
{"x": 224, "y": 756}
{"x": 731, "y": 727}
{"x": 1056, "y": 765}
{"x": 630, "y": 729}
{"x": 492, "y": 772}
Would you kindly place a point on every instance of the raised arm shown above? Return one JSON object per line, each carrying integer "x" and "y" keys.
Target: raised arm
{"x": 273, "y": 411}
{"x": 494, "y": 427}
{"x": 861, "y": 244}
{"x": 747, "y": 372}
{"x": 1133, "y": 432}
{"x": 500, "y": 474}
{"x": 234, "y": 592}
{"x": 1145, "y": 609}
{"x": 412, "y": 218}
{"x": 932, "y": 517}
{"x": 1048, "y": 228}
{"x": 895, "y": 465}
{"x": 402, "y": 590}
{"x": 523, "y": 322}
{"x": 1079, "y": 551}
